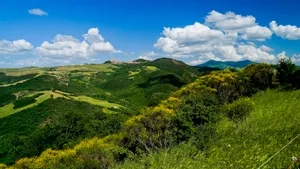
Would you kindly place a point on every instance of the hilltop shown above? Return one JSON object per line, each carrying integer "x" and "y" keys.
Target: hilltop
{"x": 226, "y": 64}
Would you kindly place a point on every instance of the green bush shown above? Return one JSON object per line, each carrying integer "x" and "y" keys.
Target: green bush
{"x": 285, "y": 69}
{"x": 239, "y": 110}
{"x": 23, "y": 102}
{"x": 26, "y": 101}
{"x": 261, "y": 76}
{"x": 194, "y": 114}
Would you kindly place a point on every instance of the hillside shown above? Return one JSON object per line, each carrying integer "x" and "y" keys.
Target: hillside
{"x": 226, "y": 64}
{"x": 229, "y": 118}
{"x": 44, "y": 101}
{"x": 269, "y": 127}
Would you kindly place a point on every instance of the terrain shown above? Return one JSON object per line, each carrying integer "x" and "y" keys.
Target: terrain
{"x": 194, "y": 118}
{"x": 226, "y": 64}
{"x": 38, "y": 104}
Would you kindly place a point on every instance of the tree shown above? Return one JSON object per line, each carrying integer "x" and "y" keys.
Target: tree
{"x": 261, "y": 76}
{"x": 285, "y": 69}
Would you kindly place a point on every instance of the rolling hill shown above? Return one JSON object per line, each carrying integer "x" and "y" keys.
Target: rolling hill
{"x": 227, "y": 64}
{"x": 56, "y": 107}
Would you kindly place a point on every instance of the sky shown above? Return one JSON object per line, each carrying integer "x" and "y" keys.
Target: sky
{"x": 55, "y": 32}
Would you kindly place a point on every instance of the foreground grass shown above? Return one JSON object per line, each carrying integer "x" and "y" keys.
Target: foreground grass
{"x": 270, "y": 126}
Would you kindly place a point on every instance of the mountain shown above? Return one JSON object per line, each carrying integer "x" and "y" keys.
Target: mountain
{"x": 227, "y": 64}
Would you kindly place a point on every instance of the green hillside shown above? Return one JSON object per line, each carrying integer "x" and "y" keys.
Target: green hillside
{"x": 223, "y": 119}
{"x": 226, "y": 64}
{"x": 270, "y": 126}
{"x": 97, "y": 97}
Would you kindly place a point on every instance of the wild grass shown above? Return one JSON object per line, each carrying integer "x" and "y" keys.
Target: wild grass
{"x": 271, "y": 125}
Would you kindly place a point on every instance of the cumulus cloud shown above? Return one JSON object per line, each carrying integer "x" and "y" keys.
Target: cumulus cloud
{"x": 224, "y": 37}
{"x": 13, "y": 47}
{"x": 287, "y": 32}
{"x": 148, "y": 55}
{"x": 66, "y": 46}
{"x": 245, "y": 25}
{"x": 266, "y": 48}
{"x": 229, "y": 21}
{"x": 37, "y": 11}
{"x": 192, "y": 39}
{"x": 236, "y": 53}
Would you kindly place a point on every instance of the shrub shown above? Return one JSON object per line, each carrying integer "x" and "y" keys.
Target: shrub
{"x": 261, "y": 76}
{"x": 239, "y": 110}
{"x": 195, "y": 112}
{"x": 23, "y": 102}
{"x": 285, "y": 69}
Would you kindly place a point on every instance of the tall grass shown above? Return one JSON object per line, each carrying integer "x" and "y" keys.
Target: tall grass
{"x": 270, "y": 126}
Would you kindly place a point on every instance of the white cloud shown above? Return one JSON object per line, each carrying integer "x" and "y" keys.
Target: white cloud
{"x": 258, "y": 33}
{"x": 37, "y": 11}
{"x": 245, "y": 25}
{"x": 148, "y": 55}
{"x": 229, "y": 21}
{"x": 239, "y": 52}
{"x": 13, "y": 47}
{"x": 224, "y": 37}
{"x": 287, "y": 32}
{"x": 192, "y": 39}
{"x": 65, "y": 46}
{"x": 266, "y": 48}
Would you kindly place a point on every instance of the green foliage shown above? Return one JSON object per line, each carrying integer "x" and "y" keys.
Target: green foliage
{"x": 25, "y": 101}
{"x": 239, "y": 110}
{"x": 261, "y": 77}
{"x": 12, "y": 79}
{"x": 285, "y": 69}
{"x": 55, "y": 123}
{"x": 189, "y": 124}
{"x": 269, "y": 127}
{"x": 194, "y": 113}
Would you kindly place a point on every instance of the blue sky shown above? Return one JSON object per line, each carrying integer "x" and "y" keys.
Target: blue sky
{"x": 199, "y": 30}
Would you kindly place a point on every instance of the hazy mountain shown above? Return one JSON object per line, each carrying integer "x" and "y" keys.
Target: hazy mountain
{"x": 227, "y": 64}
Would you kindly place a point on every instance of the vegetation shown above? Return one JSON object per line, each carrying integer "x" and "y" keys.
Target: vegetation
{"x": 230, "y": 118}
{"x": 227, "y": 64}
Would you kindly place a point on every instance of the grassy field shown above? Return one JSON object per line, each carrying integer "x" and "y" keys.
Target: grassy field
{"x": 93, "y": 101}
{"x": 21, "y": 71}
{"x": 9, "y": 109}
{"x": 271, "y": 125}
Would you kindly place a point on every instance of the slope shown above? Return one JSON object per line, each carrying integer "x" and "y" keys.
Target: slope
{"x": 226, "y": 64}
{"x": 270, "y": 126}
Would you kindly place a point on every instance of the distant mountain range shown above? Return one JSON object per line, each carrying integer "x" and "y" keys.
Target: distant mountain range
{"x": 227, "y": 64}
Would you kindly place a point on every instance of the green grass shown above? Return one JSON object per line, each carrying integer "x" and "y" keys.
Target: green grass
{"x": 93, "y": 101}
{"x": 9, "y": 109}
{"x": 132, "y": 73}
{"x": 151, "y": 68}
{"x": 269, "y": 127}
{"x": 21, "y": 71}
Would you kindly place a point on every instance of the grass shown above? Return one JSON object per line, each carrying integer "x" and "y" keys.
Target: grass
{"x": 87, "y": 68}
{"x": 93, "y": 101}
{"x": 151, "y": 68}
{"x": 13, "y": 84}
{"x": 271, "y": 125}
{"x": 132, "y": 73}
{"x": 21, "y": 71}
{"x": 9, "y": 109}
